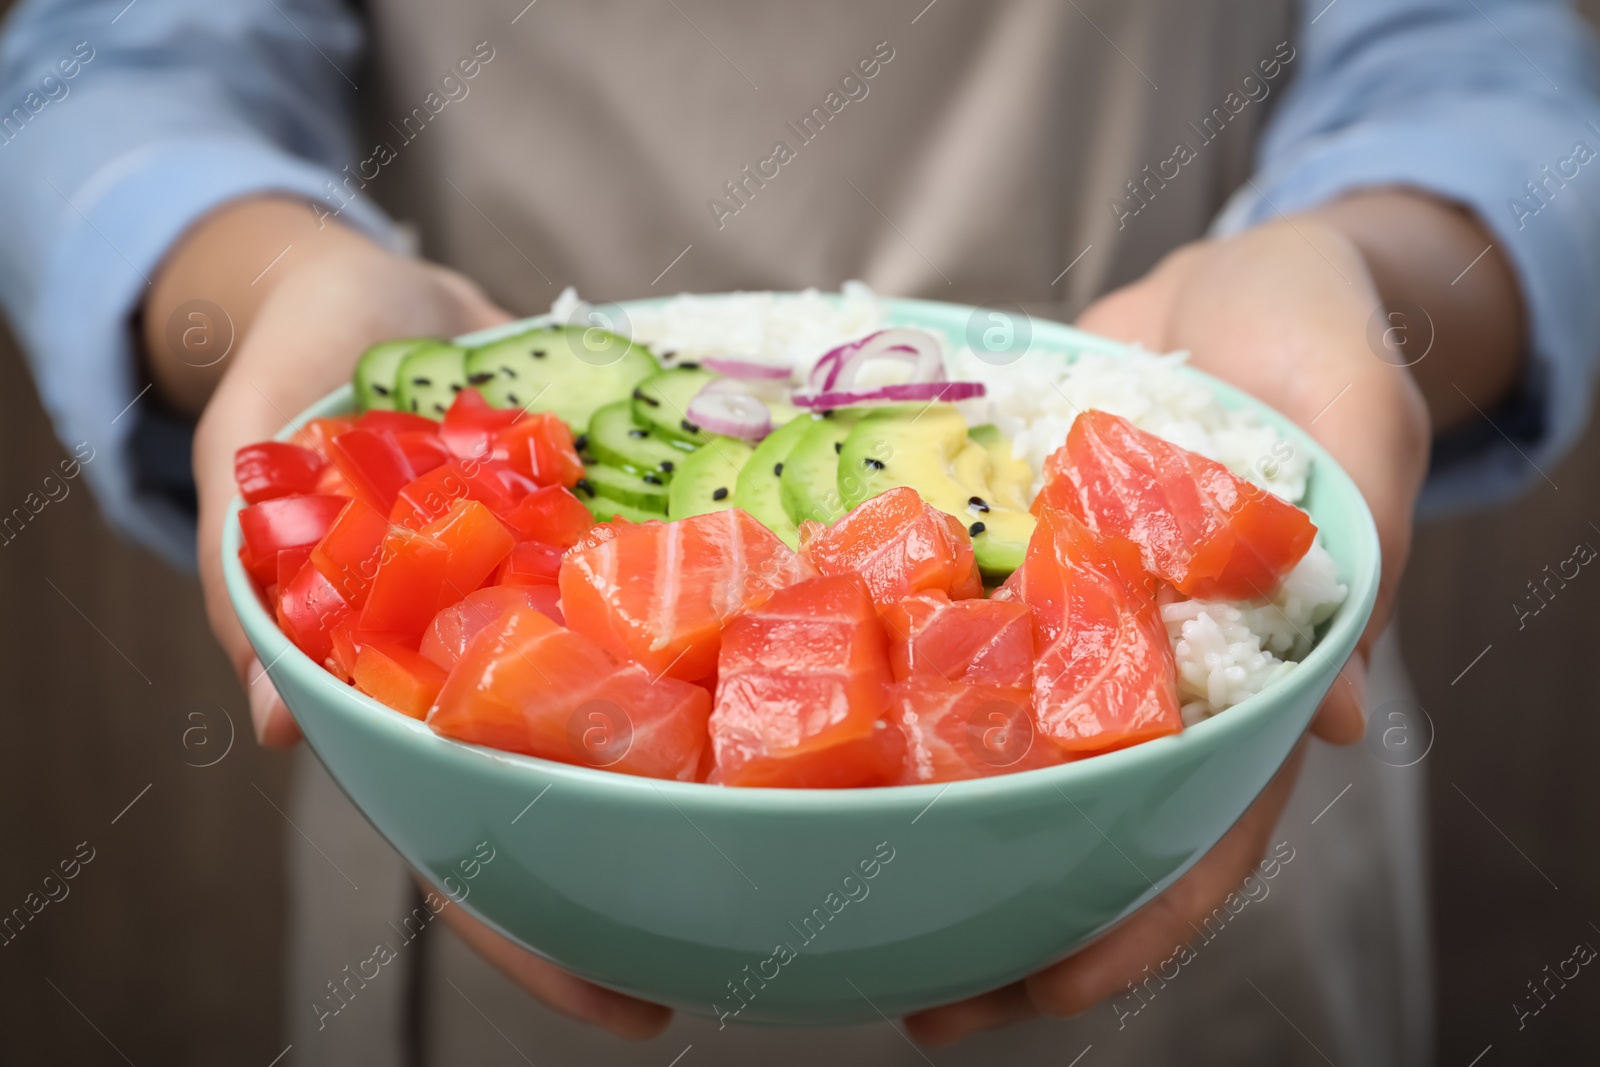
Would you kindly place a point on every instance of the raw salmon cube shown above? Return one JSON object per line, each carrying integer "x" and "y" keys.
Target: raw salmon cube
{"x": 526, "y": 685}
{"x": 1198, "y": 526}
{"x": 801, "y": 688}
{"x": 986, "y": 642}
{"x": 899, "y": 546}
{"x": 660, "y": 593}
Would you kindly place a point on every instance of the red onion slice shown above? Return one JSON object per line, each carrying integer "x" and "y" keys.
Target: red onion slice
{"x": 730, "y": 414}
{"x": 839, "y": 368}
{"x": 746, "y": 369}
{"x": 889, "y": 394}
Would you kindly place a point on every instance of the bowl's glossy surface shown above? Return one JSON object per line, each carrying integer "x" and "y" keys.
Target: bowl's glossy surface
{"x": 789, "y": 906}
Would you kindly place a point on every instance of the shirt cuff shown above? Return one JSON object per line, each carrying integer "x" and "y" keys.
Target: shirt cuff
{"x": 1551, "y": 241}
{"x": 118, "y": 225}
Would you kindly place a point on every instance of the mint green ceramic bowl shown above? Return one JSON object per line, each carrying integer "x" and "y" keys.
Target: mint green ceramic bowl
{"x": 818, "y": 907}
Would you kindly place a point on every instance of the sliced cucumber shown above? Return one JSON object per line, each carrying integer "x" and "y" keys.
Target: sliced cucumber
{"x": 604, "y": 509}
{"x": 615, "y": 439}
{"x": 661, "y": 403}
{"x": 759, "y": 490}
{"x": 646, "y": 492}
{"x": 429, "y": 377}
{"x": 809, "y": 483}
{"x": 706, "y": 480}
{"x": 376, "y": 370}
{"x": 569, "y": 371}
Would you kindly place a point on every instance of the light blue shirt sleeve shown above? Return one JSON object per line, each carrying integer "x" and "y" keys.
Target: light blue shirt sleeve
{"x": 121, "y": 124}
{"x": 1489, "y": 103}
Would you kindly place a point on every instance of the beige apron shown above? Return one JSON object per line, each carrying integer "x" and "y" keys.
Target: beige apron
{"x": 1038, "y": 153}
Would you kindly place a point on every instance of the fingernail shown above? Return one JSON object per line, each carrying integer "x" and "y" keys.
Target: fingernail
{"x": 1356, "y": 671}
{"x": 262, "y": 696}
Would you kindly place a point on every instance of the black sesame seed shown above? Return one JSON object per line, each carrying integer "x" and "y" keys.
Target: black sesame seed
{"x": 638, "y": 433}
{"x": 480, "y": 378}
{"x": 421, "y": 381}
{"x": 669, "y": 353}
{"x": 583, "y": 485}
{"x": 827, "y": 414}
{"x": 720, "y": 494}
{"x": 413, "y": 403}
{"x": 537, "y": 353}
{"x": 439, "y": 408}
{"x": 508, "y": 372}
{"x": 381, "y": 390}
{"x": 639, "y": 394}
{"x": 689, "y": 364}
{"x": 777, "y": 469}
{"x": 513, "y": 398}
{"x": 455, "y": 387}
{"x": 838, "y": 446}
{"x": 651, "y": 478}
{"x": 667, "y": 466}
{"x": 975, "y": 529}
{"x": 977, "y": 503}
{"x": 582, "y": 443}
{"x": 873, "y": 464}
{"x": 689, "y": 427}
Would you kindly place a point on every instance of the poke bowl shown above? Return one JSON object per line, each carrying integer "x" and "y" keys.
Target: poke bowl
{"x": 767, "y": 904}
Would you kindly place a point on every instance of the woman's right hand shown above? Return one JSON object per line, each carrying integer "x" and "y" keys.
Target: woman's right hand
{"x": 298, "y": 327}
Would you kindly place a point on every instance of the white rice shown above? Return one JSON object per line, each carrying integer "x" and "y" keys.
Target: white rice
{"x": 1225, "y": 651}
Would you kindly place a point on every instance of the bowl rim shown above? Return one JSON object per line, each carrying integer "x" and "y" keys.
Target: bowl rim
{"x": 1344, "y": 630}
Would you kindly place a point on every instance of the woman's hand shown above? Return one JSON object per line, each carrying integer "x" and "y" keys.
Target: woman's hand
{"x": 333, "y": 294}
{"x": 1282, "y": 312}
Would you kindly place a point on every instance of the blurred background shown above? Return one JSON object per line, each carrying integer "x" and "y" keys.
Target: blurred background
{"x": 128, "y": 740}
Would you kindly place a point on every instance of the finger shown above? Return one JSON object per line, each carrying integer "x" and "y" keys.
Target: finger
{"x": 1342, "y": 718}
{"x": 622, "y": 1015}
{"x": 269, "y": 715}
{"x": 1154, "y": 932}
{"x": 1148, "y": 937}
{"x": 988, "y": 1011}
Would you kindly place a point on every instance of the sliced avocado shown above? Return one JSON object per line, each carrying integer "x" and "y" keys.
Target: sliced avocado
{"x": 661, "y": 403}
{"x": 429, "y": 377}
{"x": 919, "y": 448}
{"x": 570, "y": 371}
{"x": 706, "y": 479}
{"x": 376, "y": 370}
{"x": 759, "y": 490}
{"x": 1010, "y": 478}
{"x": 644, "y": 491}
{"x": 615, "y": 439}
{"x": 809, "y": 484}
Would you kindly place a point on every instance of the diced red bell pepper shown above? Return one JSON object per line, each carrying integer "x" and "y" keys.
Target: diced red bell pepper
{"x": 342, "y": 656}
{"x": 290, "y": 561}
{"x": 308, "y": 609}
{"x": 348, "y": 556}
{"x": 427, "y": 498}
{"x": 404, "y": 595}
{"x": 395, "y": 423}
{"x": 334, "y": 483}
{"x": 284, "y": 522}
{"x": 374, "y": 464}
{"x": 540, "y": 446}
{"x": 318, "y": 434}
{"x": 395, "y": 675}
{"x": 530, "y": 563}
{"x": 475, "y": 541}
{"x": 470, "y": 426}
{"x": 424, "y": 451}
{"x": 270, "y": 469}
{"x": 551, "y": 515}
